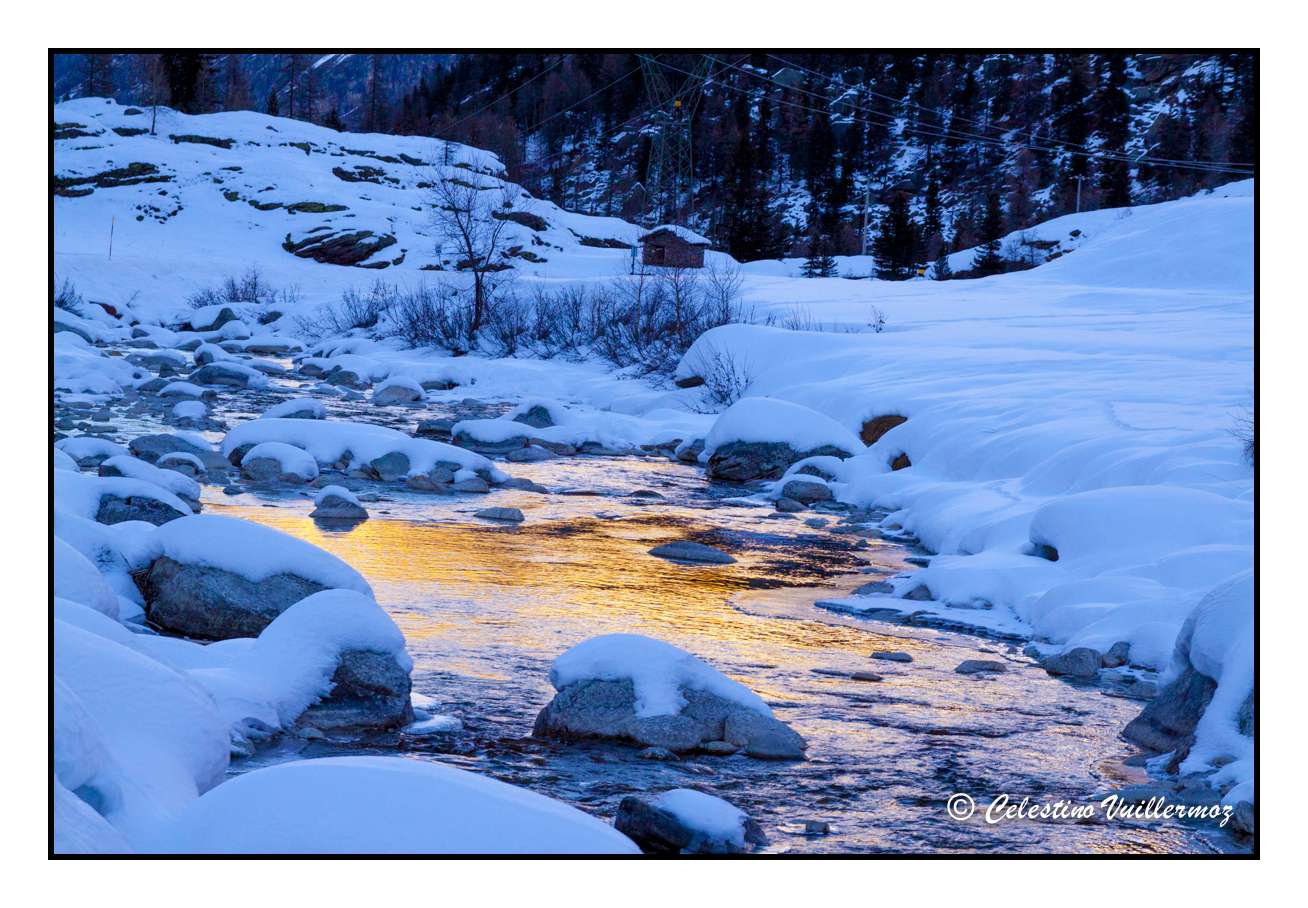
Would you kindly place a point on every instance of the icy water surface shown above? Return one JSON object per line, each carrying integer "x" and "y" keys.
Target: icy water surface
{"x": 486, "y": 608}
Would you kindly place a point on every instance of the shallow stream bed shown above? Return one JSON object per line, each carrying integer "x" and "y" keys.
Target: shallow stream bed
{"x": 486, "y": 607}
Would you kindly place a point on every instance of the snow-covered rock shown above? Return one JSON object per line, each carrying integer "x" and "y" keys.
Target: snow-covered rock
{"x": 759, "y": 437}
{"x": 329, "y": 442}
{"x": 297, "y": 408}
{"x": 398, "y": 389}
{"x": 280, "y": 462}
{"x": 337, "y": 503}
{"x": 687, "y": 821}
{"x": 216, "y": 577}
{"x": 115, "y": 499}
{"x": 637, "y": 689}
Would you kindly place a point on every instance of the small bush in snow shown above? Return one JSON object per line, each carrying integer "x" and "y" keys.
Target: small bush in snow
{"x": 67, "y": 298}
{"x": 250, "y": 287}
{"x": 726, "y": 378}
{"x": 355, "y": 310}
{"x": 876, "y": 320}
{"x": 1247, "y": 431}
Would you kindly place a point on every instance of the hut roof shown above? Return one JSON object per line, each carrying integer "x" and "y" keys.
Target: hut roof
{"x": 681, "y": 233}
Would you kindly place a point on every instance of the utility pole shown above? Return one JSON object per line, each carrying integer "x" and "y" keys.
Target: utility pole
{"x": 1079, "y": 181}
{"x": 866, "y": 197}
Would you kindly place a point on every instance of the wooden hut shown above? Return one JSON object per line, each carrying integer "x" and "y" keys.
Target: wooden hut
{"x": 674, "y": 247}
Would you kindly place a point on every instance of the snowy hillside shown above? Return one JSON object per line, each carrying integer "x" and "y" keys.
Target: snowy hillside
{"x": 213, "y": 195}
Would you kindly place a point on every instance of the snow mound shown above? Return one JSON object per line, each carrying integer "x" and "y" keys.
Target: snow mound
{"x": 766, "y": 419}
{"x": 382, "y": 805}
{"x": 657, "y": 670}
{"x": 298, "y": 408}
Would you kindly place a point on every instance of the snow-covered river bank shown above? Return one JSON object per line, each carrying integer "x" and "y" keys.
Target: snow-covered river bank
{"x": 485, "y": 608}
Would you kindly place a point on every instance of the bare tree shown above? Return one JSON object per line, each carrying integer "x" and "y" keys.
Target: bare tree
{"x": 465, "y": 218}
{"x": 151, "y": 74}
{"x": 373, "y": 117}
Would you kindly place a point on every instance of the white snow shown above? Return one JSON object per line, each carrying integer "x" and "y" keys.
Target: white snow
{"x": 656, "y": 669}
{"x": 169, "y": 480}
{"x": 189, "y": 409}
{"x": 80, "y": 447}
{"x": 382, "y": 805}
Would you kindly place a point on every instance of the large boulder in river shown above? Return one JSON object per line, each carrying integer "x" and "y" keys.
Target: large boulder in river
{"x": 759, "y": 437}
{"x": 217, "y": 577}
{"x": 645, "y": 692}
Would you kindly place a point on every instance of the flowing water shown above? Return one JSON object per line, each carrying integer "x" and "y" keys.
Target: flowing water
{"x": 485, "y": 608}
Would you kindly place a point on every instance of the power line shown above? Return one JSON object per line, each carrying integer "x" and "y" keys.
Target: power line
{"x": 984, "y": 126}
{"x": 482, "y": 110}
{"x": 945, "y": 132}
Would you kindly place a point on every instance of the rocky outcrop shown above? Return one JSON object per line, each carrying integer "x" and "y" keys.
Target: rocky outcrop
{"x": 744, "y": 461}
{"x": 208, "y": 603}
{"x": 607, "y": 709}
{"x": 337, "y": 247}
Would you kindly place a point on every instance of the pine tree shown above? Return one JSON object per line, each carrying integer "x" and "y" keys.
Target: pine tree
{"x": 183, "y": 72}
{"x": 940, "y": 269}
{"x": 1113, "y": 110}
{"x": 236, "y": 91}
{"x": 987, "y": 260}
{"x": 897, "y": 242}
{"x": 820, "y": 262}
{"x": 271, "y": 104}
{"x": 99, "y": 79}
{"x": 333, "y": 120}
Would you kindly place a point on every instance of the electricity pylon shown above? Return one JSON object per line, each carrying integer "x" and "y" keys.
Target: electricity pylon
{"x": 670, "y": 163}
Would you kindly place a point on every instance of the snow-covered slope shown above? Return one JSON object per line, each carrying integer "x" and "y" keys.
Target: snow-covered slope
{"x": 214, "y": 195}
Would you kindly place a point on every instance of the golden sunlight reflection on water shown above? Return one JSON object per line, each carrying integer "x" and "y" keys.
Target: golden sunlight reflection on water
{"x": 594, "y": 573}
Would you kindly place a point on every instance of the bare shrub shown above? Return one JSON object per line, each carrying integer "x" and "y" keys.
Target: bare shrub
{"x": 250, "y": 287}
{"x": 432, "y": 316}
{"x": 68, "y": 299}
{"x": 876, "y": 320}
{"x": 1246, "y": 430}
{"x": 726, "y": 376}
{"x": 353, "y": 311}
